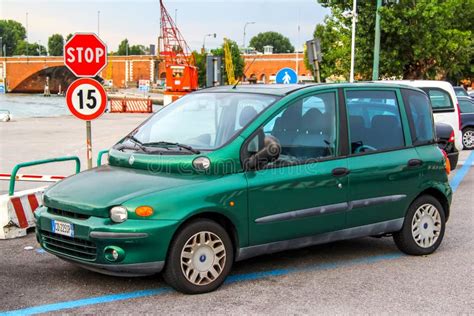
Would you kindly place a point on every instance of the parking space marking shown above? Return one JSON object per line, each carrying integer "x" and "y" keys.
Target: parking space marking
{"x": 461, "y": 173}
{"x": 231, "y": 279}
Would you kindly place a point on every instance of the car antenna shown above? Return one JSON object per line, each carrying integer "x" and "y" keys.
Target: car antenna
{"x": 245, "y": 70}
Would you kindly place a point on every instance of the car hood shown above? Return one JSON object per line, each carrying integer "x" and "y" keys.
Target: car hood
{"x": 94, "y": 191}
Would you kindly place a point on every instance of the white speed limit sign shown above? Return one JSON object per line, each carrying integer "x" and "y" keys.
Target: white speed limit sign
{"x": 86, "y": 99}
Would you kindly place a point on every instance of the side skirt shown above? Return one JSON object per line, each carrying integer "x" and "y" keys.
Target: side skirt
{"x": 348, "y": 233}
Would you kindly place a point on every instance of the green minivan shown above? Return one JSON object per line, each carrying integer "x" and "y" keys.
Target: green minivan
{"x": 228, "y": 173}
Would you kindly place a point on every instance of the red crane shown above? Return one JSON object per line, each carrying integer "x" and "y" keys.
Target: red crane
{"x": 181, "y": 72}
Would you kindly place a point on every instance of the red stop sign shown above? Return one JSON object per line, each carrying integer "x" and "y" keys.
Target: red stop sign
{"x": 85, "y": 54}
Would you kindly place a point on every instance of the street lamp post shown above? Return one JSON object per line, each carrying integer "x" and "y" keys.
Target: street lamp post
{"x": 1, "y": 46}
{"x": 245, "y": 32}
{"x": 204, "y": 40}
{"x": 98, "y": 23}
{"x": 27, "y": 44}
{"x": 354, "y": 19}
{"x": 375, "y": 69}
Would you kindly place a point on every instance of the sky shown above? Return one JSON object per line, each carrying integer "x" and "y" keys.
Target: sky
{"x": 139, "y": 20}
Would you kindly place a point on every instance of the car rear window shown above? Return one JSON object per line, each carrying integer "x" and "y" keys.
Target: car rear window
{"x": 440, "y": 99}
{"x": 420, "y": 117}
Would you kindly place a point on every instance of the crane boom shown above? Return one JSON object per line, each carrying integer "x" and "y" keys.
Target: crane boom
{"x": 181, "y": 72}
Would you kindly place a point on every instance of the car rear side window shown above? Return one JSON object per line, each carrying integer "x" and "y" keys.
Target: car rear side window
{"x": 420, "y": 116}
{"x": 466, "y": 106}
{"x": 374, "y": 121}
{"x": 440, "y": 99}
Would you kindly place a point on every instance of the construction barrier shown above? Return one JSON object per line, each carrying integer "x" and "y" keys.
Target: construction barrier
{"x": 131, "y": 106}
{"x": 17, "y": 208}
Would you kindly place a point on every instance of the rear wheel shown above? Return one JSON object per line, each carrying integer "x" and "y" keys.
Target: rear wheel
{"x": 423, "y": 227}
{"x": 468, "y": 138}
{"x": 200, "y": 258}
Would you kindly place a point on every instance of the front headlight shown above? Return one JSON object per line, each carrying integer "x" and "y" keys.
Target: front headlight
{"x": 118, "y": 214}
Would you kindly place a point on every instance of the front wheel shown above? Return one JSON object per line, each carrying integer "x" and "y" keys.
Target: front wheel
{"x": 468, "y": 138}
{"x": 200, "y": 258}
{"x": 423, "y": 227}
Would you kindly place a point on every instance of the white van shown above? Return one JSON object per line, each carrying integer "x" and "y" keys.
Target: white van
{"x": 444, "y": 102}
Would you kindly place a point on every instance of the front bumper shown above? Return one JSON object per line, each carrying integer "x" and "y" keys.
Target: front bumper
{"x": 143, "y": 243}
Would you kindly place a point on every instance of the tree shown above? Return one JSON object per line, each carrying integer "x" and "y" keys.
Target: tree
{"x": 68, "y": 37}
{"x": 200, "y": 59}
{"x": 126, "y": 49}
{"x": 55, "y": 45}
{"x": 237, "y": 59}
{"x": 11, "y": 32}
{"x": 280, "y": 43}
{"x": 421, "y": 39}
{"x": 30, "y": 49}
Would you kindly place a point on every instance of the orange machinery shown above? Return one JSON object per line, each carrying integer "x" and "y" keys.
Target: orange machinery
{"x": 181, "y": 72}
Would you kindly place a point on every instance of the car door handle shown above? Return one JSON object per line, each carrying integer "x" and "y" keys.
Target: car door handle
{"x": 414, "y": 162}
{"x": 339, "y": 172}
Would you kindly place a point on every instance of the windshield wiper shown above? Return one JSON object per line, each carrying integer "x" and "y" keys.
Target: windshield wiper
{"x": 136, "y": 142}
{"x": 164, "y": 143}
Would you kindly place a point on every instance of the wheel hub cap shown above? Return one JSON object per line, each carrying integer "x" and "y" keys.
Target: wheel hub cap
{"x": 426, "y": 225}
{"x": 203, "y": 258}
{"x": 468, "y": 139}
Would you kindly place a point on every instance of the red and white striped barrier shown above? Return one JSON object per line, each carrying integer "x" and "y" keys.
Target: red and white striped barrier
{"x": 17, "y": 212}
{"x": 131, "y": 106}
{"x": 32, "y": 177}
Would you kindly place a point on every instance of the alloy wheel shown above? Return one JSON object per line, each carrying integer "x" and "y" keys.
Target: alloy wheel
{"x": 468, "y": 139}
{"x": 203, "y": 258}
{"x": 426, "y": 225}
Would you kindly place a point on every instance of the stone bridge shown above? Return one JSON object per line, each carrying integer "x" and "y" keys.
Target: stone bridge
{"x": 29, "y": 74}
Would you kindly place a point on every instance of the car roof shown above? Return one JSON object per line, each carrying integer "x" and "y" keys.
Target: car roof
{"x": 285, "y": 89}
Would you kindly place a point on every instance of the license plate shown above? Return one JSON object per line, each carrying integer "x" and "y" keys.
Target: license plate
{"x": 62, "y": 228}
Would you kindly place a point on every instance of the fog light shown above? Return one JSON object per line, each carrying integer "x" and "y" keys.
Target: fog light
{"x": 114, "y": 253}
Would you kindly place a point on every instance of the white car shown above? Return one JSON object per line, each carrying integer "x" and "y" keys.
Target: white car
{"x": 444, "y": 102}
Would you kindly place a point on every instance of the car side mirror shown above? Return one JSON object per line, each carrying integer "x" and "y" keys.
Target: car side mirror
{"x": 268, "y": 151}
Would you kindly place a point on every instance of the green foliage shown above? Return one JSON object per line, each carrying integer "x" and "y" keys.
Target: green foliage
{"x": 68, "y": 37}
{"x": 55, "y": 45}
{"x": 125, "y": 49}
{"x": 280, "y": 43}
{"x": 29, "y": 49}
{"x": 422, "y": 39}
{"x": 12, "y": 33}
{"x": 237, "y": 60}
{"x": 200, "y": 59}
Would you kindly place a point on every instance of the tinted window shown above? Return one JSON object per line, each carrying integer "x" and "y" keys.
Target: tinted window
{"x": 306, "y": 129}
{"x": 374, "y": 121}
{"x": 460, "y": 92}
{"x": 466, "y": 106}
{"x": 420, "y": 115}
{"x": 440, "y": 99}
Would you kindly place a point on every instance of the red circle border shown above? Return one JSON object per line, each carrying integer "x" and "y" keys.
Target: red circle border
{"x": 102, "y": 93}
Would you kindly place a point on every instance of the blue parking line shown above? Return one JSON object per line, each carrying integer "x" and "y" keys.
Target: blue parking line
{"x": 461, "y": 173}
{"x": 231, "y": 279}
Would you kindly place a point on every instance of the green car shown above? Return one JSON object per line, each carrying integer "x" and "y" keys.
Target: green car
{"x": 228, "y": 173}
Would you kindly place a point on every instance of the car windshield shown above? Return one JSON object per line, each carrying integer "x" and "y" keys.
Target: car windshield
{"x": 203, "y": 121}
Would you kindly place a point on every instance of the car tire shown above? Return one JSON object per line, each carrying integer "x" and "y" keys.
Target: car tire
{"x": 468, "y": 138}
{"x": 453, "y": 160}
{"x": 423, "y": 227}
{"x": 200, "y": 257}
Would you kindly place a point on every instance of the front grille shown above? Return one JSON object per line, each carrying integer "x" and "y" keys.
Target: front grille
{"x": 75, "y": 247}
{"x": 55, "y": 211}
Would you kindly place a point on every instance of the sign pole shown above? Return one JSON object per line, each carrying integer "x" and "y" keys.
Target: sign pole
{"x": 89, "y": 144}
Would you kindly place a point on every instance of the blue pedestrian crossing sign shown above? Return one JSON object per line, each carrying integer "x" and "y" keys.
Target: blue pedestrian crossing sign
{"x": 286, "y": 76}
